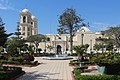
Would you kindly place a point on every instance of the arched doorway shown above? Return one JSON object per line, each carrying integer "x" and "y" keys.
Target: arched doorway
{"x": 59, "y": 50}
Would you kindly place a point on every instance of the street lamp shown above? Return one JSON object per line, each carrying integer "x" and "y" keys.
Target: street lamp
{"x": 66, "y": 44}
{"x": 102, "y": 40}
{"x": 43, "y": 40}
{"x": 45, "y": 46}
{"x": 91, "y": 45}
{"x": 82, "y": 35}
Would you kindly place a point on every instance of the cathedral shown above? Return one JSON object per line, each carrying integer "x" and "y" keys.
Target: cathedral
{"x": 60, "y": 43}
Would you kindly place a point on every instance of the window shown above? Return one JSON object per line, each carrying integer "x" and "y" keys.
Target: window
{"x": 28, "y": 29}
{"x": 24, "y": 19}
{"x": 48, "y": 39}
{"x": 28, "y": 34}
{"x": 59, "y": 37}
{"x": 23, "y": 33}
{"x": 23, "y": 28}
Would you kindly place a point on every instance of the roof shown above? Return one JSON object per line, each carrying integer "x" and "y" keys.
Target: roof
{"x": 83, "y": 29}
{"x": 25, "y": 10}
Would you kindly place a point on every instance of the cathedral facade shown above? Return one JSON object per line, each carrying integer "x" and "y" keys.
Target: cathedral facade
{"x": 60, "y": 43}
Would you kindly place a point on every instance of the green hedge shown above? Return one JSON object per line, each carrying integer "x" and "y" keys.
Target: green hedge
{"x": 78, "y": 76}
{"x": 18, "y": 63}
{"x": 74, "y": 62}
{"x": 8, "y": 73}
{"x": 100, "y": 77}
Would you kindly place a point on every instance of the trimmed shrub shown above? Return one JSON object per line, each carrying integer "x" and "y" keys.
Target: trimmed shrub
{"x": 99, "y": 77}
{"x": 8, "y": 73}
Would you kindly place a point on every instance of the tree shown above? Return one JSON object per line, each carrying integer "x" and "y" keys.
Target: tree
{"x": 36, "y": 39}
{"x": 114, "y": 34}
{"x": 17, "y": 43}
{"x": 97, "y": 47}
{"x": 69, "y": 24}
{"x": 80, "y": 50}
{"x": 3, "y": 35}
{"x": 13, "y": 44}
{"x": 50, "y": 47}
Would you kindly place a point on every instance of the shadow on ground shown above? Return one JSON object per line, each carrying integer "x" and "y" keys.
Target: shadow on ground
{"x": 37, "y": 76}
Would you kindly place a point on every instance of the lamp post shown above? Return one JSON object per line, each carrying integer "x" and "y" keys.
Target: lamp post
{"x": 43, "y": 40}
{"x": 102, "y": 42}
{"x": 82, "y": 35}
{"x": 45, "y": 46}
{"x": 90, "y": 45}
{"x": 55, "y": 46}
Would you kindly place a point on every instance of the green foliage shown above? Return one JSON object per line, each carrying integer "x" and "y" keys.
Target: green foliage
{"x": 73, "y": 54}
{"x": 81, "y": 49}
{"x": 3, "y": 35}
{"x": 78, "y": 76}
{"x": 99, "y": 77}
{"x": 29, "y": 58}
{"x": 114, "y": 34}
{"x": 69, "y": 20}
{"x": 77, "y": 72}
{"x": 97, "y": 46}
{"x": 13, "y": 44}
{"x": 74, "y": 62}
{"x": 50, "y": 47}
{"x": 69, "y": 24}
{"x": 19, "y": 59}
{"x": 36, "y": 39}
{"x": 9, "y": 73}
{"x": 31, "y": 49}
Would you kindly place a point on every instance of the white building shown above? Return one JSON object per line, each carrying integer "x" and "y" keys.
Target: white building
{"x": 61, "y": 44}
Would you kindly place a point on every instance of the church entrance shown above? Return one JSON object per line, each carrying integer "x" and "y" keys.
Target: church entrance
{"x": 59, "y": 50}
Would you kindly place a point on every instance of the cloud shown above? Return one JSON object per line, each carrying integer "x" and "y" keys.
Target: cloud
{"x": 5, "y": 5}
{"x": 99, "y": 26}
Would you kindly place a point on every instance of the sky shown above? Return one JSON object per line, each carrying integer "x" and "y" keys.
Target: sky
{"x": 100, "y": 14}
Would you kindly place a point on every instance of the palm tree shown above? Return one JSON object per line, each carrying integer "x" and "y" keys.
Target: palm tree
{"x": 50, "y": 47}
{"x": 80, "y": 50}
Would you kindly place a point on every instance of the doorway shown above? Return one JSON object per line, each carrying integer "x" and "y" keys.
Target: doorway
{"x": 59, "y": 50}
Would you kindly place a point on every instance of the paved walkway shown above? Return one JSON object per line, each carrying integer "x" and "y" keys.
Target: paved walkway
{"x": 48, "y": 70}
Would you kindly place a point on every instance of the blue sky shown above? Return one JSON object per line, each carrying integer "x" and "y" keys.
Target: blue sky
{"x": 99, "y": 13}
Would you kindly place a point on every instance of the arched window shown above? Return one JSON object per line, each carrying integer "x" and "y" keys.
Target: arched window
{"x": 24, "y": 19}
{"x": 48, "y": 39}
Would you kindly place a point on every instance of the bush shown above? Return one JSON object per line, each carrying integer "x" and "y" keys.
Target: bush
{"x": 99, "y": 77}
{"x": 78, "y": 76}
{"x": 74, "y": 62}
{"x": 28, "y": 58}
{"x": 73, "y": 54}
{"x": 8, "y": 73}
{"x": 18, "y": 59}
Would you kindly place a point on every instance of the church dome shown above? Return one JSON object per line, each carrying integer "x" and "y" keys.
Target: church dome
{"x": 83, "y": 29}
{"x": 33, "y": 17}
{"x": 25, "y": 10}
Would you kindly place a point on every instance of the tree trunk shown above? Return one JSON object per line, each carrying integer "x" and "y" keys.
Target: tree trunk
{"x": 71, "y": 40}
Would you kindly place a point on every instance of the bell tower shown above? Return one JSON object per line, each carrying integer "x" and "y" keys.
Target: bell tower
{"x": 28, "y": 24}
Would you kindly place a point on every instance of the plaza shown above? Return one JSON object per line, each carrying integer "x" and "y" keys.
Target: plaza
{"x": 48, "y": 70}
{"x": 59, "y": 40}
